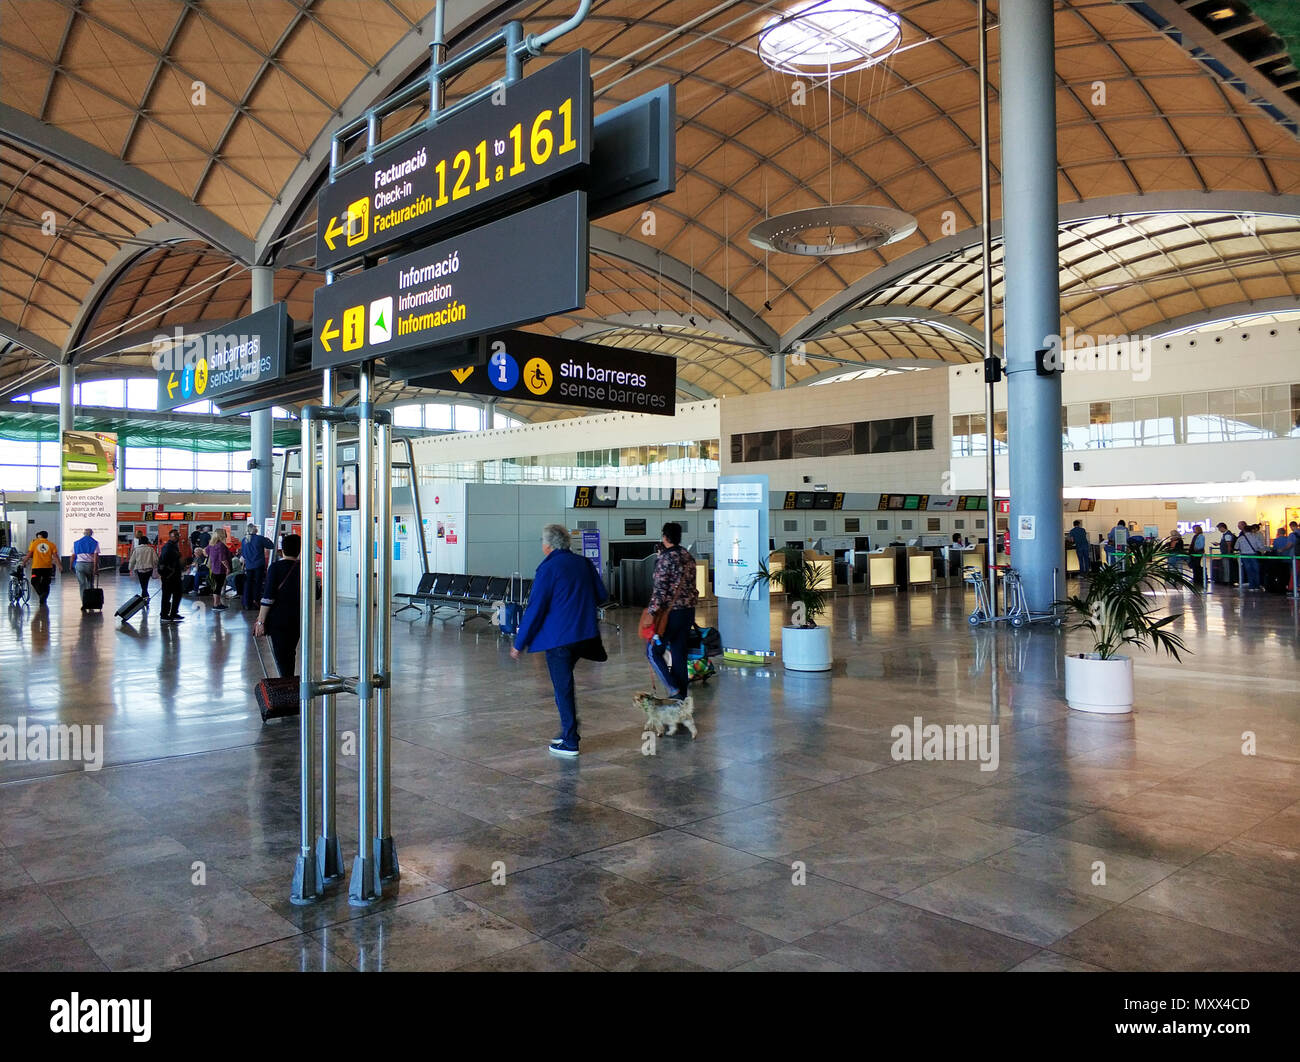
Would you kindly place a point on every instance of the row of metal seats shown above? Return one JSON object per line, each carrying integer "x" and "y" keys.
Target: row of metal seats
{"x": 474, "y": 596}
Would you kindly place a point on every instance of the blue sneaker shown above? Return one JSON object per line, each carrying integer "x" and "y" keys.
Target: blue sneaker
{"x": 564, "y": 750}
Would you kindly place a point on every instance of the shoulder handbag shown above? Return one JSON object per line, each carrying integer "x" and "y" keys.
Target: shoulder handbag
{"x": 592, "y": 648}
{"x": 654, "y": 625}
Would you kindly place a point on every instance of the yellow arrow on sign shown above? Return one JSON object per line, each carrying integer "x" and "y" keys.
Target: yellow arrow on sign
{"x": 462, "y": 374}
{"x": 326, "y": 334}
{"x": 332, "y": 233}
{"x": 171, "y": 385}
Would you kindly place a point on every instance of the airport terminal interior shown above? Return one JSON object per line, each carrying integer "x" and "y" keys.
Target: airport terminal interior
{"x": 889, "y": 313}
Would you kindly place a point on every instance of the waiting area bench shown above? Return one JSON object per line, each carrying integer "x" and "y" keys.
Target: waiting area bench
{"x": 469, "y": 596}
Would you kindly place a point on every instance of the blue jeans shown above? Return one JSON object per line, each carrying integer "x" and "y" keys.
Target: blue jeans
{"x": 1250, "y": 572}
{"x": 674, "y": 639}
{"x": 560, "y": 662}
{"x": 1084, "y": 560}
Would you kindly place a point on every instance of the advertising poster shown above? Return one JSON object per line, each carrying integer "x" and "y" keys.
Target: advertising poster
{"x": 735, "y": 550}
{"x": 345, "y": 534}
{"x": 740, "y": 545}
{"x": 591, "y": 546}
{"x": 89, "y": 495}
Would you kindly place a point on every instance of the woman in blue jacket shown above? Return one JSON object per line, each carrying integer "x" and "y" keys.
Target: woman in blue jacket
{"x": 561, "y": 614}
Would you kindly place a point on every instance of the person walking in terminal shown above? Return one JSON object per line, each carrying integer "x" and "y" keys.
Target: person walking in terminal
{"x": 141, "y": 564}
{"x": 1196, "y": 553}
{"x": 255, "y": 553}
{"x": 219, "y": 563}
{"x": 85, "y": 560}
{"x": 1080, "y": 539}
{"x": 279, "y": 616}
{"x": 561, "y": 614}
{"x": 674, "y": 589}
{"x": 169, "y": 571}
{"x": 42, "y": 555}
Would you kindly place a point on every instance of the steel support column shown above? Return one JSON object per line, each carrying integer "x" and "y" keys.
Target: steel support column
{"x": 778, "y": 372}
{"x": 1032, "y": 303}
{"x": 260, "y": 419}
{"x": 67, "y": 377}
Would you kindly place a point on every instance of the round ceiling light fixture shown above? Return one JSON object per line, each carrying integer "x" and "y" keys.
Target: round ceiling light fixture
{"x": 829, "y": 36}
{"x": 828, "y": 230}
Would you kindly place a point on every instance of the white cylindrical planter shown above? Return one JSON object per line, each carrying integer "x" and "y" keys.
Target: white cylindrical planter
{"x": 1096, "y": 685}
{"x": 806, "y": 648}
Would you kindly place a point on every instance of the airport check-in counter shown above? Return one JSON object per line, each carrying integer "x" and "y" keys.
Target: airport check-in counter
{"x": 1071, "y": 565}
{"x": 955, "y": 558}
{"x": 776, "y": 561}
{"x": 882, "y": 573}
{"x": 922, "y": 563}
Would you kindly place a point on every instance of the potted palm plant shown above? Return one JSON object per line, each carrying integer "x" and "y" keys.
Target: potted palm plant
{"x": 1119, "y": 609}
{"x": 804, "y": 645}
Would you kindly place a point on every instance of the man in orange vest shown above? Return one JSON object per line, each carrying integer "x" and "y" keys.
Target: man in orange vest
{"x": 42, "y": 555}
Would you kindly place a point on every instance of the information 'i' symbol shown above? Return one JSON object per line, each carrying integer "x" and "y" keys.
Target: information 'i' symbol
{"x": 537, "y": 376}
{"x": 503, "y": 371}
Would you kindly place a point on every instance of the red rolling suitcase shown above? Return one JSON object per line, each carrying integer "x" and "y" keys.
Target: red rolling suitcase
{"x": 276, "y": 697}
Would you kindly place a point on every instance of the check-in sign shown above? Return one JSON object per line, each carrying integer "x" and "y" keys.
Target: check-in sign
{"x": 531, "y": 133}
{"x": 510, "y": 272}
{"x": 226, "y": 360}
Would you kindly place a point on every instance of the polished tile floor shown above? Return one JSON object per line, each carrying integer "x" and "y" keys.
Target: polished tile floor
{"x": 785, "y": 838}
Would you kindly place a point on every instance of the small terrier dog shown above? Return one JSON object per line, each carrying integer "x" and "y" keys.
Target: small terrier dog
{"x": 661, "y": 712}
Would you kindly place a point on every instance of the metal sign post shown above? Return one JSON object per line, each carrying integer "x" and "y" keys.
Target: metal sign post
{"x": 385, "y": 849}
{"x": 306, "y": 879}
{"x": 329, "y": 861}
{"x": 365, "y": 887}
{"x": 449, "y": 176}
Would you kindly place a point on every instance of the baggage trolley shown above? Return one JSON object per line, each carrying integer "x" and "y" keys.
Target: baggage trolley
{"x": 983, "y": 602}
{"x": 1018, "y": 611}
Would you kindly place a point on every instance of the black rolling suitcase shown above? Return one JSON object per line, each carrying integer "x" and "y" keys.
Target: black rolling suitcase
{"x": 92, "y": 598}
{"x": 1275, "y": 575}
{"x": 132, "y": 606}
{"x": 276, "y": 697}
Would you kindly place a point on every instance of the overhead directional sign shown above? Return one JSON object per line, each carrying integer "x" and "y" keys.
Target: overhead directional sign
{"x": 528, "y": 134}
{"x": 536, "y": 368}
{"x": 220, "y": 363}
{"x": 510, "y": 272}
